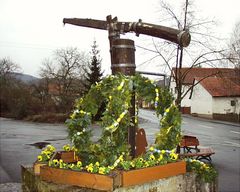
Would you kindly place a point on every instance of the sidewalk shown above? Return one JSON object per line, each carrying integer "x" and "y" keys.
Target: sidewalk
{"x": 11, "y": 187}
{"x": 212, "y": 120}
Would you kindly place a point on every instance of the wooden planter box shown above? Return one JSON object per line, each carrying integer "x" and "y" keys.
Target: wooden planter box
{"x": 114, "y": 180}
{"x": 66, "y": 156}
{"x": 81, "y": 179}
{"x": 36, "y": 167}
{"x": 140, "y": 176}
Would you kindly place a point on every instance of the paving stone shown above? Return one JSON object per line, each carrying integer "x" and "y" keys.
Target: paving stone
{"x": 10, "y": 187}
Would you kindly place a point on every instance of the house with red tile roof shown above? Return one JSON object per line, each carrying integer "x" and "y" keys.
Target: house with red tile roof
{"x": 215, "y": 94}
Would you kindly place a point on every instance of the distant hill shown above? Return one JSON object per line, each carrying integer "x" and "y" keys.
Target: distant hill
{"x": 29, "y": 79}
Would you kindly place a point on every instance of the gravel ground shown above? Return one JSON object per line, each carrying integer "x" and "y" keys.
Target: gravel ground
{"x": 11, "y": 187}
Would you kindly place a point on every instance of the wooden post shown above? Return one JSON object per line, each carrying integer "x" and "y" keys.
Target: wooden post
{"x": 123, "y": 61}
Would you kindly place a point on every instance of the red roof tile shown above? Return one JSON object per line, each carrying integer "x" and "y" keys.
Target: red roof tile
{"x": 220, "y": 87}
{"x": 189, "y": 74}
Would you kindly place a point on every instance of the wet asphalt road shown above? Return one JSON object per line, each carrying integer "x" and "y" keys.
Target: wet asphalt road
{"x": 222, "y": 137}
{"x": 15, "y": 140}
{"x": 17, "y": 137}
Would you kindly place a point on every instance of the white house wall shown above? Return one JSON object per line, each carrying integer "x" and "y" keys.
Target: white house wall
{"x": 186, "y": 102}
{"x": 222, "y": 105}
{"x": 201, "y": 102}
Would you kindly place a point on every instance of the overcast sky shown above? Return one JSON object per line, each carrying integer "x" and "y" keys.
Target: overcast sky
{"x": 31, "y": 29}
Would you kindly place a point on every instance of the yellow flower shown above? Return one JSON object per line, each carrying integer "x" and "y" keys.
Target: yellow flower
{"x": 48, "y": 153}
{"x": 101, "y": 170}
{"x": 152, "y": 157}
{"x": 72, "y": 116}
{"x": 156, "y": 90}
{"x": 111, "y": 167}
{"x": 40, "y": 158}
{"x": 55, "y": 162}
{"x": 146, "y": 164}
{"x": 89, "y": 169}
{"x": 206, "y": 166}
{"x": 132, "y": 164}
{"x": 163, "y": 151}
{"x": 151, "y": 148}
{"x": 110, "y": 97}
{"x": 141, "y": 159}
{"x": 79, "y": 164}
{"x": 50, "y": 148}
{"x": 167, "y": 110}
{"x": 160, "y": 157}
{"x": 136, "y": 120}
{"x": 120, "y": 86}
{"x": 157, "y": 99}
{"x": 97, "y": 164}
{"x": 173, "y": 156}
{"x": 119, "y": 119}
{"x": 61, "y": 165}
{"x": 66, "y": 147}
{"x": 121, "y": 158}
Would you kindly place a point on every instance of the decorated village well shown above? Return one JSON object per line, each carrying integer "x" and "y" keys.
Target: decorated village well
{"x": 112, "y": 163}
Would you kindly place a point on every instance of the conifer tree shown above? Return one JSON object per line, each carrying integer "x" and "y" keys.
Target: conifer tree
{"x": 93, "y": 73}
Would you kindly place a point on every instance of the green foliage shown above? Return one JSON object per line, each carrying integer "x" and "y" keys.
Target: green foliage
{"x": 93, "y": 73}
{"x": 116, "y": 92}
{"x": 204, "y": 171}
{"x": 46, "y": 154}
{"x": 150, "y": 92}
{"x": 152, "y": 157}
{"x": 170, "y": 132}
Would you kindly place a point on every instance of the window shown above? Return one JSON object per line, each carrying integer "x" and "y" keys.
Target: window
{"x": 233, "y": 102}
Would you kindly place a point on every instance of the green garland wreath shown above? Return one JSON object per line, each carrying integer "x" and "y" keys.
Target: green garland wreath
{"x": 115, "y": 92}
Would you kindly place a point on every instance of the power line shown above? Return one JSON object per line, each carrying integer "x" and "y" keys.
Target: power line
{"x": 147, "y": 61}
{"x": 27, "y": 45}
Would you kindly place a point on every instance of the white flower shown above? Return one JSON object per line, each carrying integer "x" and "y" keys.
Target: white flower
{"x": 115, "y": 124}
{"x": 76, "y": 111}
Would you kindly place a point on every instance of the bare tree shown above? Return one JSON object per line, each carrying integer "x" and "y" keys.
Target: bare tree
{"x": 8, "y": 67}
{"x": 235, "y": 46}
{"x": 65, "y": 73}
{"x": 201, "y": 52}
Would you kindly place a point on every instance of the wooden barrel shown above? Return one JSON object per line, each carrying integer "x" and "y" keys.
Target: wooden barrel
{"x": 123, "y": 57}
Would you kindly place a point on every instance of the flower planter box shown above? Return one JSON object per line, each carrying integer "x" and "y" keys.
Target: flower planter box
{"x": 81, "y": 179}
{"x": 66, "y": 156}
{"x": 36, "y": 167}
{"x": 140, "y": 176}
{"x": 113, "y": 180}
